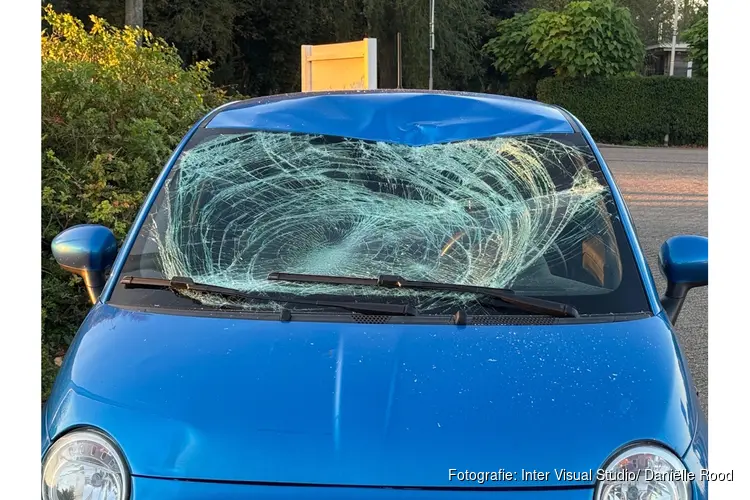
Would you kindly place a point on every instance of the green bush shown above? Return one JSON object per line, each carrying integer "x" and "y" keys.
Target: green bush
{"x": 112, "y": 111}
{"x": 635, "y": 110}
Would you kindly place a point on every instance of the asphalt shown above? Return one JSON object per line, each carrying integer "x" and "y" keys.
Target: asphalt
{"x": 666, "y": 190}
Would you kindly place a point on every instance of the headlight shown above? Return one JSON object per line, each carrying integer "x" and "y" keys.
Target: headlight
{"x": 82, "y": 465}
{"x": 644, "y": 473}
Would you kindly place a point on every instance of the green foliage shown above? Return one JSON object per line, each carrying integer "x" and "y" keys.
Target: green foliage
{"x": 586, "y": 38}
{"x": 697, "y": 38}
{"x": 255, "y": 44}
{"x": 635, "y": 110}
{"x": 111, "y": 114}
{"x": 510, "y": 50}
{"x": 651, "y": 17}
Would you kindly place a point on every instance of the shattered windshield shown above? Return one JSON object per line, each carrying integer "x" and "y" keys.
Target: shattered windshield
{"x": 530, "y": 213}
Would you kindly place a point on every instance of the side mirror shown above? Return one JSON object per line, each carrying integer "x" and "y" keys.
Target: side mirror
{"x": 87, "y": 250}
{"x": 683, "y": 261}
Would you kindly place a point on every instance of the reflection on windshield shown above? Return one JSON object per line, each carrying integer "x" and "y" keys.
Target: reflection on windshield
{"x": 499, "y": 213}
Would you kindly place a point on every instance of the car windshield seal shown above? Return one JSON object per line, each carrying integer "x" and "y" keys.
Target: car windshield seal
{"x": 531, "y": 305}
{"x": 187, "y": 284}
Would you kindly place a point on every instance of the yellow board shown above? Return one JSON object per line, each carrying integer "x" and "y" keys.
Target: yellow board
{"x": 340, "y": 66}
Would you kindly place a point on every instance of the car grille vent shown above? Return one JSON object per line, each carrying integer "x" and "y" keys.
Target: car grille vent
{"x": 381, "y": 319}
{"x": 371, "y": 319}
{"x": 512, "y": 320}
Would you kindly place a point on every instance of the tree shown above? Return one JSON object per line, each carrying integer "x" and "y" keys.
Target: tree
{"x": 653, "y": 18}
{"x": 459, "y": 26}
{"x": 134, "y": 13}
{"x": 585, "y": 38}
{"x": 551, "y": 4}
{"x": 697, "y": 38}
{"x": 111, "y": 115}
{"x": 503, "y": 9}
{"x": 255, "y": 44}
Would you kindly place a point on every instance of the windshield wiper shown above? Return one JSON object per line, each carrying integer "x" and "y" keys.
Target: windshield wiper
{"x": 181, "y": 283}
{"x": 507, "y": 296}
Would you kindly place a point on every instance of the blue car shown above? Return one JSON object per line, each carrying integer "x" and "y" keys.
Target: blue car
{"x": 378, "y": 295}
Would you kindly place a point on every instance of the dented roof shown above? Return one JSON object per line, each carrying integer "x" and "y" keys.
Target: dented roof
{"x": 404, "y": 117}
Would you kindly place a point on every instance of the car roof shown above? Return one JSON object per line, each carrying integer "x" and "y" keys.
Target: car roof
{"x": 411, "y": 117}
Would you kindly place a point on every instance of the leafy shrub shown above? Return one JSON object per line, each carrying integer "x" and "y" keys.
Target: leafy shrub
{"x": 585, "y": 38}
{"x": 697, "y": 38}
{"x": 638, "y": 109}
{"x": 111, "y": 114}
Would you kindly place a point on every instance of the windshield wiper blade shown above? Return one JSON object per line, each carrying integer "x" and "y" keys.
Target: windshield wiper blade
{"x": 528, "y": 304}
{"x": 180, "y": 283}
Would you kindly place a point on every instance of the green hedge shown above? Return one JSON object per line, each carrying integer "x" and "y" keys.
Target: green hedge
{"x": 635, "y": 110}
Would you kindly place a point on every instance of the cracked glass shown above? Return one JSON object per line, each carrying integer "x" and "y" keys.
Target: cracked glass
{"x": 530, "y": 213}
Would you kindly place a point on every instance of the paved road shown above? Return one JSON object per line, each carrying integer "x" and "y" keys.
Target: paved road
{"x": 667, "y": 193}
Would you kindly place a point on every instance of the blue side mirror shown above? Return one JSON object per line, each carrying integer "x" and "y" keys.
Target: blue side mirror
{"x": 87, "y": 250}
{"x": 683, "y": 261}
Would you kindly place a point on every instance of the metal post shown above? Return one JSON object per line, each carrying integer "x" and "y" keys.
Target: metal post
{"x": 398, "y": 60}
{"x": 674, "y": 36}
{"x": 432, "y": 36}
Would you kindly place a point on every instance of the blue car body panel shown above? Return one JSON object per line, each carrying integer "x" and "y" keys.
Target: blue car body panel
{"x": 385, "y": 405}
{"x": 410, "y": 118}
{"x": 222, "y": 399}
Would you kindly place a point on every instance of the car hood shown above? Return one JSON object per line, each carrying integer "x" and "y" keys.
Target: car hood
{"x": 370, "y": 404}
